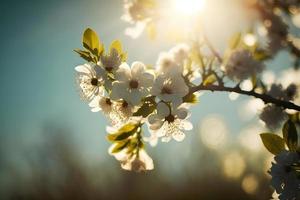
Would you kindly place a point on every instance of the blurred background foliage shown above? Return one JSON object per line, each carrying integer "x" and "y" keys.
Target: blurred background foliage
{"x": 53, "y": 147}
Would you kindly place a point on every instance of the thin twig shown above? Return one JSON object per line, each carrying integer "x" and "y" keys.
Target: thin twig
{"x": 212, "y": 49}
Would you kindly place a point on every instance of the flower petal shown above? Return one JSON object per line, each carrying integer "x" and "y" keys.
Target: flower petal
{"x": 83, "y": 69}
{"x": 162, "y": 110}
{"x": 186, "y": 125}
{"x": 119, "y": 91}
{"x": 181, "y": 113}
{"x": 137, "y": 68}
{"x": 123, "y": 73}
{"x": 178, "y": 136}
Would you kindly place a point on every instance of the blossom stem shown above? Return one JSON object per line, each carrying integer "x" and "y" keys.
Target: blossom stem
{"x": 263, "y": 97}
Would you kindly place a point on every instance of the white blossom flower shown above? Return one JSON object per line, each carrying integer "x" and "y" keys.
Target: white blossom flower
{"x": 291, "y": 77}
{"x": 170, "y": 88}
{"x": 272, "y": 116}
{"x": 138, "y": 162}
{"x": 136, "y": 11}
{"x": 111, "y": 61}
{"x": 136, "y": 30}
{"x": 241, "y": 65}
{"x": 169, "y": 122}
{"x": 166, "y": 64}
{"x": 291, "y": 92}
{"x": 285, "y": 179}
{"x": 101, "y": 103}
{"x": 132, "y": 84}
{"x": 277, "y": 91}
{"x": 277, "y": 31}
{"x": 121, "y": 113}
{"x": 90, "y": 80}
{"x": 180, "y": 53}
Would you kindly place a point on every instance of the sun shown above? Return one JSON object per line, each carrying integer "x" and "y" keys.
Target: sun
{"x": 189, "y": 7}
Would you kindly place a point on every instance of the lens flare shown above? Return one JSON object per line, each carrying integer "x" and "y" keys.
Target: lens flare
{"x": 234, "y": 165}
{"x": 189, "y": 7}
{"x": 250, "y": 184}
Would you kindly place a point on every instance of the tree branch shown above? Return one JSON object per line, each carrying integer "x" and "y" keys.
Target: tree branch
{"x": 263, "y": 97}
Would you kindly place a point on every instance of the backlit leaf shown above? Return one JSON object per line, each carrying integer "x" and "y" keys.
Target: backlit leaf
{"x": 124, "y": 132}
{"x": 117, "y": 45}
{"x": 91, "y": 42}
{"x": 273, "y": 143}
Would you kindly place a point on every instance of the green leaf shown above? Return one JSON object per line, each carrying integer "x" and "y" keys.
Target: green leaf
{"x": 290, "y": 135}
{"x": 191, "y": 98}
{"x": 86, "y": 55}
{"x": 91, "y": 42}
{"x": 273, "y": 143}
{"x": 147, "y": 108}
{"x": 124, "y": 132}
{"x": 235, "y": 40}
{"x": 117, "y": 45}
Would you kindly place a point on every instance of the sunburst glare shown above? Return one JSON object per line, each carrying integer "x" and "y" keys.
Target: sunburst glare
{"x": 189, "y": 7}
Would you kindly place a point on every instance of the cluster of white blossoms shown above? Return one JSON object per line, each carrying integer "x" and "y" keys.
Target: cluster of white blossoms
{"x": 277, "y": 32}
{"x": 273, "y": 115}
{"x": 133, "y": 95}
{"x": 138, "y": 13}
{"x": 285, "y": 175}
{"x": 241, "y": 65}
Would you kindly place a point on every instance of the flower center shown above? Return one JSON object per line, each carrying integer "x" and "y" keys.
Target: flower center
{"x": 124, "y": 104}
{"x": 166, "y": 90}
{"x": 170, "y": 118}
{"x": 167, "y": 63}
{"x": 108, "y": 102}
{"x": 109, "y": 68}
{"x": 94, "y": 81}
{"x": 133, "y": 84}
